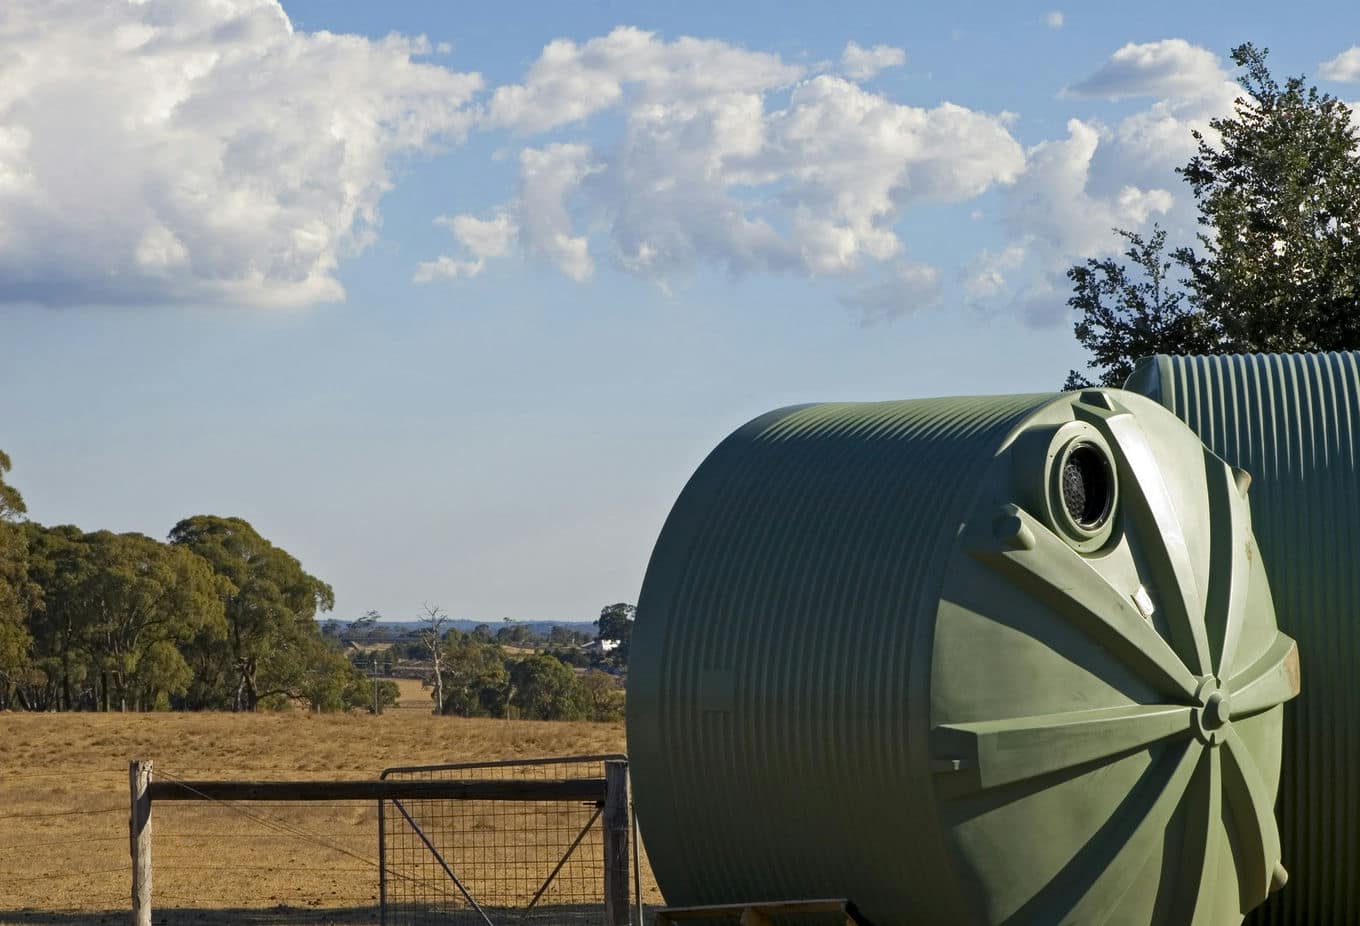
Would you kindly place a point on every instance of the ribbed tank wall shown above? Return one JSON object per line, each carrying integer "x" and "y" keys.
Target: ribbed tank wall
{"x": 858, "y": 504}
{"x": 1293, "y": 422}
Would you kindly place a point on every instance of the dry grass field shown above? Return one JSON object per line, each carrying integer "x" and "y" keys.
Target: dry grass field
{"x": 413, "y": 694}
{"x": 64, "y": 807}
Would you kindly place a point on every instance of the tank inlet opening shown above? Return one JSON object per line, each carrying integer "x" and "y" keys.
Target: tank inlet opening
{"x": 1087, "y": 486}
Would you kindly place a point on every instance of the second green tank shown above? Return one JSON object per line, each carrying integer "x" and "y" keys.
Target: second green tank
{"x": 1293, "y": 422}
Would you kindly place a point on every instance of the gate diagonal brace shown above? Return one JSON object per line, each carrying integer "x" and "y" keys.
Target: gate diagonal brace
{"x": 442, "y": 864}
{"x": 561, "y": 862}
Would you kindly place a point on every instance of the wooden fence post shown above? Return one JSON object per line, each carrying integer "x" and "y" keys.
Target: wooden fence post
{"x": 615, "y": 823}
{"x": 139, "y": 832}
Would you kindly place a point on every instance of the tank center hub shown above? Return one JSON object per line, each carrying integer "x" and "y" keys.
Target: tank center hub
{"x": 1214, "y": 713}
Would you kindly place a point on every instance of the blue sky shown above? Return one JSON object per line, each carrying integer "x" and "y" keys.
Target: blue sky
{"x": 453, "y": 319}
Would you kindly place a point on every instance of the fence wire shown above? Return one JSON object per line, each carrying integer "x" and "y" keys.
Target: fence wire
{"x": 218, "y": 862}
{"x": 493, "y": 862}
{"x": 63, "y": 842}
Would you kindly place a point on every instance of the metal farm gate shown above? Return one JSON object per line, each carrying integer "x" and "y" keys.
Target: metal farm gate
{"x": 493, "y": 862}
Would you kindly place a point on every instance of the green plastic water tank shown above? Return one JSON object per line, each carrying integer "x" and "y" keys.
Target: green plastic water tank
{"x": 1293, "y": 422}
{"x": 969, "y": 660}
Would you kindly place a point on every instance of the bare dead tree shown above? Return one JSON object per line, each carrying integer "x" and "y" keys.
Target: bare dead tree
{"x": 433, "y": 638}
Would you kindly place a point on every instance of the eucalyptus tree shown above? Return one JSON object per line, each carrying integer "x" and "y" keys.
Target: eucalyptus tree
{"x": 475, "y": 679}
{"x": 15, "y": 590}
{"x": 545, "y": 689}
{"x": 60, "y": 564}
{"x": 270, "y": 604}
{"x": 143, "y": 598}
{"x": 114, "y": 611}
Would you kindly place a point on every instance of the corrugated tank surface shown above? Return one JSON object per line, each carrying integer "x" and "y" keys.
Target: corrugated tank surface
{"x": 1291, "y": 420}
{"x": 869, "y": 662}
{"x": 780, "y": 485}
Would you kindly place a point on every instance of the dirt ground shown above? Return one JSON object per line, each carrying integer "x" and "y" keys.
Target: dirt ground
{"x": 64, "y": 808}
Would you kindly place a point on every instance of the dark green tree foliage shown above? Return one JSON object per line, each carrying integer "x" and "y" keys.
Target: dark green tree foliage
{"x": 616, "y": 626}
{"x": 570, "y": 656}
{"x": 544, "y": 689}
{"x": 1280, "y": 199}
{"x": 513, "y": 634}
{"x": 1133, "y": 310}
{"x": 330, "y": 682}
{"x": 563, "y": 637}
{"x": 16, "y": 593}
{"x": 388, "y": 693}
{"x": 1278, "y": 195}
{"x": 482, "y": 680}
{"x": 270, "y": 607}
{"x": 602, "y": 696}
{"x": 60, "y": 564}
{"x": 114, "y": 612}
{"x": 12, "y": 506}
{"x": 142, "y": 599}
{"x": 476, "y": 677}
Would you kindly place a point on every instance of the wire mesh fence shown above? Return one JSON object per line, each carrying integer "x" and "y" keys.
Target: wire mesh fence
{"x": 492, "y": 862}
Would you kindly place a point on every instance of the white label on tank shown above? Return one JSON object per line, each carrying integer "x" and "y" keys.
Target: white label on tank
{"x": 1144, "y": 603}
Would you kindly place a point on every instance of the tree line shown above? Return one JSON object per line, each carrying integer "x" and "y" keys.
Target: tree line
{"x": 215, "y": 617}
{"x": 486, "y": 673}
{"x": 480, "y": 679}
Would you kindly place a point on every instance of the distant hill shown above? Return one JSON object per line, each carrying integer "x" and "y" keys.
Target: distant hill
{"x": 536, "y": 627}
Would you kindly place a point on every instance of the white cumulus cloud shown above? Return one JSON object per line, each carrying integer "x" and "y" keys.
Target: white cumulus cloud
{"x": 206, "y": 151}
{"x": 1053, "y": 201}
{"x": 1054, "y": 19}
{"x": 549, "y": 177}
{"x": 1169, "y": 68}
{"x": 1344, "y": 67}
{"x": 483, "y": 237}
{"x": 729, "y": 158}
{"x": 1076, "y": 190}
{"x": 199, "y": 150}
{"x": 859, "y": 63}
{"x": 1059, "y": 212}
{"x": 570, "y": 82}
